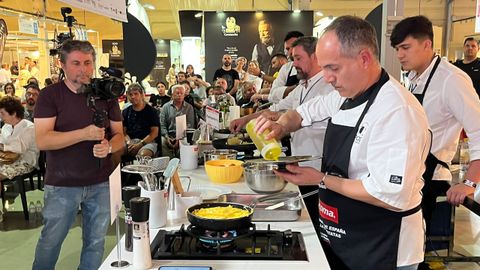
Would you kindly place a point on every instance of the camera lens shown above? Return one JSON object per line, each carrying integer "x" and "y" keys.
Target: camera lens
{"x": 116, "y": 88}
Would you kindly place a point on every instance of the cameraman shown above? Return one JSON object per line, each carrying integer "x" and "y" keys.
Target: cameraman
{"x": 74, "y": 176}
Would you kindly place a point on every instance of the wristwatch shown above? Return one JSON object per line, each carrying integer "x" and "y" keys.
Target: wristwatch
{"x": 143, "y": 142}
{"x": 469, "y": 183}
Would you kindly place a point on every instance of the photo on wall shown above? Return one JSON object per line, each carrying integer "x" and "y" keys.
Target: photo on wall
{"x": 253, "y": 35}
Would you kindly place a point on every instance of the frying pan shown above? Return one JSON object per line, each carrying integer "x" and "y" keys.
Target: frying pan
{"x": 220, "y": 224}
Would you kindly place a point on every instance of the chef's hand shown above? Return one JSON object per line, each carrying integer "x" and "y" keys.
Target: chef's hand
{"x": 271, "y": 115}
{"x": 237, "y": 124}
{"x": 457, "y": 193}
{"x": 263, "y": 123}
{"x": 93, "y": 133}
{"x": 301, "y": 175}
{"x": 100, "y": 150}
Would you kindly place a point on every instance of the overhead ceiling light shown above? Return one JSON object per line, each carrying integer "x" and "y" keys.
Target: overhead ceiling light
{"x": 198, "y": 15}
{"x": 319, "y": 13}
{"x": 297, "y": 11}
{"x": 149, "y": 6}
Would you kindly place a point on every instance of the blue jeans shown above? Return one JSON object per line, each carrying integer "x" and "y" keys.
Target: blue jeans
{"x": 408, "y": 267}
{"x": 61, "y": 207}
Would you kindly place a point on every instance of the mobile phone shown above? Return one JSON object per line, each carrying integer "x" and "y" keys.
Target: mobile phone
{"x": 185, "y": 268}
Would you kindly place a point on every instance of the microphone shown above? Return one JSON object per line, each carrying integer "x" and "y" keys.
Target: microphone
{"x": 111, "y": 71}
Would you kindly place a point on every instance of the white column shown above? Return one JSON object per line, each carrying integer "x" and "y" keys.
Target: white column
{"x": 392, "y": 13}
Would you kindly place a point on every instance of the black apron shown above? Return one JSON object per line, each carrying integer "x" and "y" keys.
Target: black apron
{"x": 291, "y": 79}
{"x": 431, "y": 162}
{"x": 354, "y": 234}
{"x": 430, "y": 190}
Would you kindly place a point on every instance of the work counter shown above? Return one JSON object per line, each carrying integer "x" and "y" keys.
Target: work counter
{"x": 199, "y": 181}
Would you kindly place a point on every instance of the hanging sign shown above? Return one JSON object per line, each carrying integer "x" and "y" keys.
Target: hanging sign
{"x": 28, "y": 26}
{"x": 114, "y": 9}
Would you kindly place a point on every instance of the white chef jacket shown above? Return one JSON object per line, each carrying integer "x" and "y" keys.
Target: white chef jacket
{"x": 21, "y": 139}
{"x": 386, "y": 147}
{"x": 450, "y": 103}
{"x": 278, "y": 85}
{"x": 308, "y": 140}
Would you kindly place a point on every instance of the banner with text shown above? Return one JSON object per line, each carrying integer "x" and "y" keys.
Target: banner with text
{"x": 114, "y": 9}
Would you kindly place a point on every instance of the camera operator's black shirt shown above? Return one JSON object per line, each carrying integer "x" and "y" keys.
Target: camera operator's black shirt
{"x": 75, "y": 165}
{"x": 139, "y": 123}
{"x": 473, "y": 71}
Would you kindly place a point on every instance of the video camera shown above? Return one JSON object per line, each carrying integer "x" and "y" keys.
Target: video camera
{"x": 109, "y": 86}
{"x": 62, "y": 37}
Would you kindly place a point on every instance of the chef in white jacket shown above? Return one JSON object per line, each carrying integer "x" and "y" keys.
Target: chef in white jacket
{"x": 376, "y": 142}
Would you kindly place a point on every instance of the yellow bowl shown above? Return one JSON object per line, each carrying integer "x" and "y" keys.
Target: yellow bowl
{"x": 224, "y": 170}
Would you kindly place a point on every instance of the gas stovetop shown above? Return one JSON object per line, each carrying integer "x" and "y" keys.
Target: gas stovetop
{"x": 250, "y": 244}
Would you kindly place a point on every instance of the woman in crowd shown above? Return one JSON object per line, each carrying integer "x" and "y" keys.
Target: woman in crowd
{"x": 17, "y": 136}
{"x": 9, "y": 89}
{"x": 190, "y": 72}
{"x": 157, "y": 101}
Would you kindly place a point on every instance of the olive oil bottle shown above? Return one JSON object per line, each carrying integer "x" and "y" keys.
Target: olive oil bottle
{"x": 270, "y": 149}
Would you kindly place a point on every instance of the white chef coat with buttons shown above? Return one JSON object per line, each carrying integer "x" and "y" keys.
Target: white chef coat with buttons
{"x": 450, "y": 103}
{"x": 392, "y": 141}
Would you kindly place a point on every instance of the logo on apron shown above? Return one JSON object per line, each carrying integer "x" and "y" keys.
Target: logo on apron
{"x": 328, "y": 212}
{"x": 361, "y": 131}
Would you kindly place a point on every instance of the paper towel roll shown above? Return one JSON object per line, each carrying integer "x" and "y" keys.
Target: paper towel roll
{"x": 188, "y": 156}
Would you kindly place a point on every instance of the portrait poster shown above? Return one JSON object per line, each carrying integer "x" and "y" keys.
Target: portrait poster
{"x": 114, "y": 48}
{"x": 238, "y": 33}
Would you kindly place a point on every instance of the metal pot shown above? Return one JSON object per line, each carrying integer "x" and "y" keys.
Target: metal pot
{"x": 261, "y": 178}
{"x": 219, "y": 154}
{"x": 220, "y": 224}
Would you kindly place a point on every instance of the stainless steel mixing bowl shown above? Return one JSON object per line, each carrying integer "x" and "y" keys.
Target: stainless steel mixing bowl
{"x": 261, "y": 178}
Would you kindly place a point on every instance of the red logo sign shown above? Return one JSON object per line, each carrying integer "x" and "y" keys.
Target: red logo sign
{"x": 328, "y": 212}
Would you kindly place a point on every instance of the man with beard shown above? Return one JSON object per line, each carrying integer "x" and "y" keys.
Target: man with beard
{"x": 31, "y": 95}
{"x": 263, "y": 51}
{"x": 307, "y": 141}
{"x": 74, "y": 146}
{"x": 229, "y": 74}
